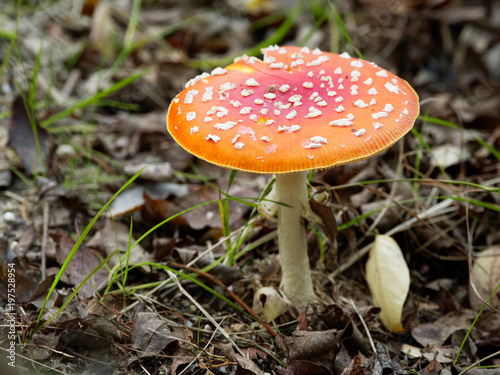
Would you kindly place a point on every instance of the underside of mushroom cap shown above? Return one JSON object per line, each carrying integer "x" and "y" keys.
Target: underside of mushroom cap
{"x": 297, "y": 109}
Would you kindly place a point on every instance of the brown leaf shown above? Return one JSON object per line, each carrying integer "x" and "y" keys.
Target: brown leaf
{"x": 32, "y": 149}
{"x": 157, "y": 210}
{"x": 25, "y": 284}
{"x": 329, "y": 223}
{"x": 84, "y": 261}
{"x": 355, "y": 367}
{"x": 436, "y": 333}
{"x": 316, "y": 346}
{"x": 150, "y": 334}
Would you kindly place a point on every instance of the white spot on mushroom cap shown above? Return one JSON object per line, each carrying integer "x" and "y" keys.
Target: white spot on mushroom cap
{"x": 235, "y": 138}
{"x": 212, "y": 137}
{"x": 343, "y": 121}
{"x": 357, "y": 64}
{"x": 207, "y": 119}
{"x": 318, "y": 61}
{"x": 245, "y": 110}
{"x": 252, "y": 82}
{"x": 225, "y": 125}
{"x": 373, "y": 101}
{"x": 265, "y": 139}
{"x": 227, "y": 86}
{"x": 392, "y": 88}
{"x": 338, "y": 70}
{"x": 378, "y": 115}
{"x": 218, "y": 71}
{"x": 239, "y": 145}
{"x": 382, "y": 73}
{"x": 246, "y": 92}
{"x": 318, "y": 139}
{"x": 194, "y": 130}
{"x": 372, "y": 91}
{"x": 296, "y": 63}
{"x": 317, "y": 51}
{"x": 295, "y": 98}
{"x": 258, "y": 101}
{"x": 269, "y": 59}
{"x": 263, "y": 111}
{"x": 208, "y": 94}
{"x": 340, "y": 108}
{"x": 277, "y": 65}
{"x": 308, "y": 85}
{"x": 313, "y": 112}
{"x": 377, "y": 125}
{"x": 322, "y": 104}
{"x": 190, "y": 116}
{"x": 291, "y": 114}
{"x": 270, "y": 95}
{"x": 369, "y": 81}
{"x": 388, "y": 108}
{"x": 360, "y": 103}
{"x": 345, "y": 55}
{"x": 284, "y": 88}
{"x": 360, "y": 132}
{"x": 190, "y": 96}
{"x": 235, "y": 103}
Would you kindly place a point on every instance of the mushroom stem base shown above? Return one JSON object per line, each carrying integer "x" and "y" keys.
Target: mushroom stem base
{"x": 291, "y": 190}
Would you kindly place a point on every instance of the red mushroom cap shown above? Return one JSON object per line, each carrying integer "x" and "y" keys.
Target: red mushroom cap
{"x": 298, "y": 109}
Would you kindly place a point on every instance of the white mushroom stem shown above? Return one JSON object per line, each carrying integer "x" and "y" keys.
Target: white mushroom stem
{"x": 291, "y": 190}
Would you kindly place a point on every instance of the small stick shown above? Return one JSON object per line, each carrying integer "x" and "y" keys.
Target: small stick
{"x": 215, "y": 280}
{"x": 43, "y": 258}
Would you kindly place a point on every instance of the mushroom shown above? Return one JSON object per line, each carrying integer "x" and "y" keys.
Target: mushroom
{"x": 295, "y": 110}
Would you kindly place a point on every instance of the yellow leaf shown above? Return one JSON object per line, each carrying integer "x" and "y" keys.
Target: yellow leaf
{"x": 388, "y": 278}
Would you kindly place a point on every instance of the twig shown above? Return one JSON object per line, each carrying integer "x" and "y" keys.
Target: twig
{"x": 372, "y": 344}
{"x": 478, "y": 362}
{"x": 215, "y": 280}
{"x": 45, "y": 235}
{"x": 437, "y": 209}
{"x": 217, "y": 325}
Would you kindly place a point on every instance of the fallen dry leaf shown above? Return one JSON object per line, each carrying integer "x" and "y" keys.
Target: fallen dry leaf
{"x": 150, "y": 334}
{"x": 437, "y": 332}
{"x": 33, "y": 149}
{"x": 486, "y": 276}
{"x": 84, "y": 261}
{"x": 388, "y": 278}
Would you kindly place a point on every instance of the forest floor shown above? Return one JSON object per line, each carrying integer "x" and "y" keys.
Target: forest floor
{"x": 113, "y": 262}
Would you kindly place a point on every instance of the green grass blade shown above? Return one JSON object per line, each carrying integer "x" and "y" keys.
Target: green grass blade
{"x": 77, "y": 246}
{"x": 448, "y": 124}
{"x": 340, "y": 22}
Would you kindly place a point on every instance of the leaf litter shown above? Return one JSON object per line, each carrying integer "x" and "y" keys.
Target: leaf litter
{"x": 436, "y": 193}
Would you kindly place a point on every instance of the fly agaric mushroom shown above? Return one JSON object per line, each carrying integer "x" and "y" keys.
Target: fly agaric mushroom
{"x": 296, "y": 110}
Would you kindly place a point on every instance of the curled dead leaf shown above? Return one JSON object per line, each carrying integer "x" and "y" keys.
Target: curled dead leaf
{"x": 388, "y": 278}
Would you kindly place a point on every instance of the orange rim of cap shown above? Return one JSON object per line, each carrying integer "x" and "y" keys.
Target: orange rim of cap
{"x": 296, "y": 110}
